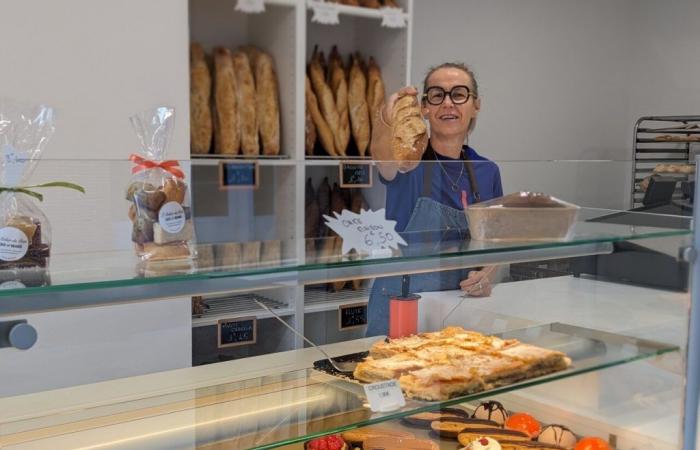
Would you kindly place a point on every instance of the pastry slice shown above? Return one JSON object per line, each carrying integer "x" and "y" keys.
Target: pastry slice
{"x": 358, "y": 436}
{"x": 451, "y": 427}
{"x": 509, "y": 444}
{"x": 498, "y": 434}
{"x": 373, "y": 370}
{"x": 440, "y": 382}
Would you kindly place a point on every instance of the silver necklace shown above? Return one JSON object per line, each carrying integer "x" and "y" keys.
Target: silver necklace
{"x": 454, "y": 184}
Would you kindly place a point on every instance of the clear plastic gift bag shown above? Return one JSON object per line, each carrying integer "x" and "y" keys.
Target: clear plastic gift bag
{"x": 25, "y": 233}
{"x": 160, "y": 213}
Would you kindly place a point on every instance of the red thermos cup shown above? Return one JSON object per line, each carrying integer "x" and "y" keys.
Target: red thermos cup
{"x": 403, "y": 316}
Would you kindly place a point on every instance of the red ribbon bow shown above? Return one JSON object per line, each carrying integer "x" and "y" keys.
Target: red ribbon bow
{"x": 170, "y": 165}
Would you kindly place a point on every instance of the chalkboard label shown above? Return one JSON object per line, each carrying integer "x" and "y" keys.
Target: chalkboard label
{"x": 239, "y": 175}
{"x": 239, "y": 331}
{"x": 355, "y": 174}
{"x": 352, "y": 316}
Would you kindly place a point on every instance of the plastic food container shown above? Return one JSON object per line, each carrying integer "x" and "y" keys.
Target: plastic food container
{"x": 522, "y": 216}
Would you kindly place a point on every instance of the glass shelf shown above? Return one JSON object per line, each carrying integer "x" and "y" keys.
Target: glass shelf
{"x": 282, "y": 409}
{"x": 73, "y": 279}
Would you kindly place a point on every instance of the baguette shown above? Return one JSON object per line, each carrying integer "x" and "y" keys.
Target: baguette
{"x": 310, "y": 131}
{"x": 325, "y": 135}
{"x": 338, "y": 286}
{"x": 312, "y": 213}
{"x": 324, "y": 204}
{"x": 357, "y": 102}
{"x": 357, "y": 203}
{"x": 375, "y": 87}
{"x": 370, "y": 4}
{"x": 201, "y": 127}
{"x": 409, "y": 134}
{"x": 350, "y": 2}
{"x": 268, "y": 107}
{"x": 325, "y": 97}
{"x": 339, "y": 87}
{"x": 226, "y": 134}
{"x": 246, "y": 99}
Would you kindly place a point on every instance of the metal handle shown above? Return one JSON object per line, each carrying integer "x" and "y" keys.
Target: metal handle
{"x": 291, "y": 328}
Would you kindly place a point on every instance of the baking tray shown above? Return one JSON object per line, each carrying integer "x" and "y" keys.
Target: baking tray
{"x": 325, "y": 366}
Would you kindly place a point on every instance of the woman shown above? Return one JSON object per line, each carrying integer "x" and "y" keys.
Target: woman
{"x": 429, "y": 194}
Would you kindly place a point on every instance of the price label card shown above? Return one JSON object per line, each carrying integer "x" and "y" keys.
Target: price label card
{"x": 355, "y": 174}
{"x": 393, "y": 18}
{"x": 237, "y": 332}
{"x": 384, "y": 396}
{"x": 324, "y": 13}
{"x": 368, "y": 232}
{"x": 239, "y": 175}
{"x": 250, "y": 6}
{"x": 352, "y": 316}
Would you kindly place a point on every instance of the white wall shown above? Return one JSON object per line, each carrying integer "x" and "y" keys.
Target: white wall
{"x": 96, "y": 62}
{"x": 564, "y": 79}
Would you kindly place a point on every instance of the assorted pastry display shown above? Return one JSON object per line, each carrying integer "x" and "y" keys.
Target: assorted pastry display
{"x": 452, "y": 362}
{"x": 489, "y": 427}
{"x": 340, "y": 100}
{"x": 323, "y": 245}
{"x": 234, "y": 102}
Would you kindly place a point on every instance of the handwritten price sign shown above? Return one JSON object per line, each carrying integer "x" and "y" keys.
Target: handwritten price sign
{"x": 367, "y": 232}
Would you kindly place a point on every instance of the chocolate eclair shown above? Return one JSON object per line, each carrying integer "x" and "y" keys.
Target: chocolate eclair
{"x": 558, "y": 435}
{"x": 451, "y": 427}
{"x": 500, "y": 434}
{"x": 424, "y": 419}
{"x": 491, "y": 410}
{"x": 507, "y": 444}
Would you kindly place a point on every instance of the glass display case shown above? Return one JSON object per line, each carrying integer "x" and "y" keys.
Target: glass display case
{"x": 624, "y": 333}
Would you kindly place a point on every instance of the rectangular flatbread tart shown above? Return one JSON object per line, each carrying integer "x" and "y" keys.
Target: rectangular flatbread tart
{"x": 454, "y": 361}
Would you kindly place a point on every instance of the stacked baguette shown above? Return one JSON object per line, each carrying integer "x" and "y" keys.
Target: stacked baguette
{"x": 340, "y": 100}
{"x": 234, "y": 102}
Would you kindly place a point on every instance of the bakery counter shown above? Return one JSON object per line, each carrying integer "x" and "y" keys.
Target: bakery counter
{"x": 273, "y": 400}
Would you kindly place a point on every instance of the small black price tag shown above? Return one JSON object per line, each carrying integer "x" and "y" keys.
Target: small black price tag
{"x": 236, "y": 332}
{"x": 239, "y": 175}
{"x": 352, "y": 316}
{"x": 355, "y": 174}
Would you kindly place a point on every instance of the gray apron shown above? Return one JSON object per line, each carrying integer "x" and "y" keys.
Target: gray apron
{"x": 427, "y": 215}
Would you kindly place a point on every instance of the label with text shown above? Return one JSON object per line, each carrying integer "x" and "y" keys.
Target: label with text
{"x": 239, "y": 175}
{"x": 13, "y": 165}
{"x": 384, "y": 396}
{"x": 355, "y": 174}
{"x": 367, "y": 232}
{"x": 171, "y": 217}
{"x": 324, "y": 13}
{"x": 236, "y": 332}
{"x": 13, "y": 244}
{"x": 352, "y": 316}
{"x": 250, "y": 6}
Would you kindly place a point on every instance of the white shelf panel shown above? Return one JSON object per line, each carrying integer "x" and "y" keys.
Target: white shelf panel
{"x": 213, "y": 160}
{"x": 358, "y": 11}
{"x": 243, "y": 305}
{"x": 317, "y": 299}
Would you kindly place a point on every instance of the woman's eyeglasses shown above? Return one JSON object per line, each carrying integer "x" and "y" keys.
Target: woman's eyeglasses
{"x": 459, "y": 95}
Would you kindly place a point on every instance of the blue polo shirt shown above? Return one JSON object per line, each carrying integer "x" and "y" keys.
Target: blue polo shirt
{"x": 403, "y": 191}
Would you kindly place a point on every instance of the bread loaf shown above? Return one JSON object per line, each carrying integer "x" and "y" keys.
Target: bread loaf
{"x": 325, "y": 135}
{"x": 390, "y": 4}
{"x": 226, "y": 128}
{"x": 309, "y": 131}
{"x": 251, "y": 254}
{"x": 312, "y": 213}
{"x": 271, "y": 253}
{"x": 246, "y": 100}
{"x": 268, "y": 108}
{"x": 409, "y": 134}
{"x": 228, "y": 256}
{"x": 201, "y": 127}
{"x": 339, "y": 87}
{"x": 337, "y": 286}
{"x": 351, "y": 2}
{"x": 375, "y": 87}
{"x": 324, "y": 204}
{"x": 370, "y": 4}
{"x": 325, "y": 96}
{"x": 357, "y": 104}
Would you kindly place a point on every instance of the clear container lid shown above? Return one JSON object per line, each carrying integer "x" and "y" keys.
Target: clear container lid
{"x": 524, "y": 199}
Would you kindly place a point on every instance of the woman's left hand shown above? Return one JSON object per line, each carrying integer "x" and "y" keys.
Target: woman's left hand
{"x": 478, "y": 283}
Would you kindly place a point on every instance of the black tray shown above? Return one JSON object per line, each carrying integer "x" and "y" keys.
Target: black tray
{"x": 325, "y": 366}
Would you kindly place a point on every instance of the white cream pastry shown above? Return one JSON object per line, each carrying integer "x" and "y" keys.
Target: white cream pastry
{"x": 484, "y": 443}
{"x": 557, "y": 435}
{"x": 491, "y": 410}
